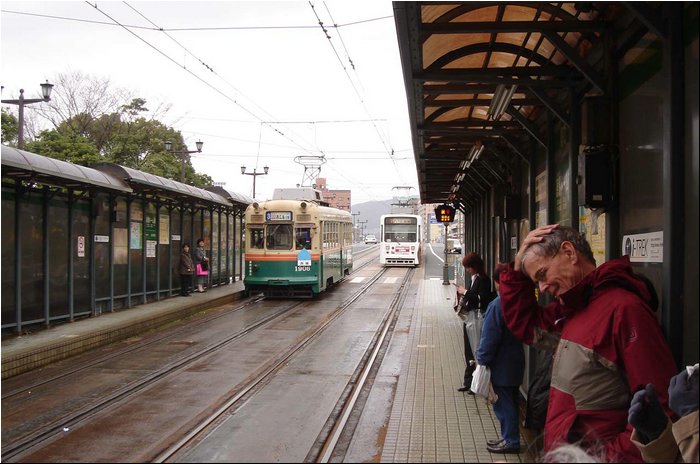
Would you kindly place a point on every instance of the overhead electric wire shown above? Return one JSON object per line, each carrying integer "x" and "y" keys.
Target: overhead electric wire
{"x": 220, "y": 77}
{"x": 200, "y": 79}
{"x": 219, "y": 28}
{"x": 389, "y": 150}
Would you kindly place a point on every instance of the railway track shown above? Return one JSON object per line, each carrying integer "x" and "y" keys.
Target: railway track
{"x": 52, "y": 430}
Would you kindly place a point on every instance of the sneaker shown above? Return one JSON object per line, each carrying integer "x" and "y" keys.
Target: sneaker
{"x": 494, "y": 442}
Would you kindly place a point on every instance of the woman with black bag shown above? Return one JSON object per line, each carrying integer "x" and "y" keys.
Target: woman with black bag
{"x": 475, "y": 298}
{"x": 201, "y": 264}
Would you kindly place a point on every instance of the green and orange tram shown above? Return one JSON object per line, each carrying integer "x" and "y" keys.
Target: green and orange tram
{"x": 296, "y": 245}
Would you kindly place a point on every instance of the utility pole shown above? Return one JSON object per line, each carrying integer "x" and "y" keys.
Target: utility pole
{"x": 363, "y": 226}
{"x": 353, "y": 224}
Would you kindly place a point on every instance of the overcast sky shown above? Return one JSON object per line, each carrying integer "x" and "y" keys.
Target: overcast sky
{"x": 258, "y": 82}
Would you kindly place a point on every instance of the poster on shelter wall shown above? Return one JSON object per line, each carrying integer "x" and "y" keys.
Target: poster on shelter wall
{"x": 592, "y": 226}
{"x": 120, "y": 245}
{"x": 135, "y": 242}
{"x": 151, "y": 248}
{"x": 164, "y": 233}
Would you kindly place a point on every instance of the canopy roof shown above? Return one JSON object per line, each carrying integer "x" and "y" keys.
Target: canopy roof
{"x": 462, "y": 59}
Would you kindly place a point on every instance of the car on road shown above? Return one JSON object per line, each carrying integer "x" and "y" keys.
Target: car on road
{"x": 370, "y": 239}
{"x": 454, "y": 246}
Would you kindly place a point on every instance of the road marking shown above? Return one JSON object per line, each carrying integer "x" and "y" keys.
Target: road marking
{"x": 357, "y": 280}
{"x": 433, "y": 252}
{"x": 391, "y": 280}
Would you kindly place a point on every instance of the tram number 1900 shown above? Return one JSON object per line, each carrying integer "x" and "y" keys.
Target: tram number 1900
{"x": 302, "y": 268}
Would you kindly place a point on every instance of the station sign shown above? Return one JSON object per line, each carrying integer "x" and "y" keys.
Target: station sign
{"x": 445, "y": 213}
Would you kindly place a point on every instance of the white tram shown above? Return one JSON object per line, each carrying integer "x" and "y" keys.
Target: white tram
{"x": 400, "y": 239}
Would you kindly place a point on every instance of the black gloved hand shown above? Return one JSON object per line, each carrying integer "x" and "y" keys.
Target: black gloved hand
{"x": 646, "y": 414}
{"x": 683, "y": 393}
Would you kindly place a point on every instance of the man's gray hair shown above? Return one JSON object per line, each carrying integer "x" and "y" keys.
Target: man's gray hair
{"x": 570, "y": 453}
{"x": 550, "y": 244}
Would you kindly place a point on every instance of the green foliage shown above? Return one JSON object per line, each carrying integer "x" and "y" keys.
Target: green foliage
{"x": 124, "y": 137}
{"x": 67, "y": 147}
{"x": 10, "y": 126}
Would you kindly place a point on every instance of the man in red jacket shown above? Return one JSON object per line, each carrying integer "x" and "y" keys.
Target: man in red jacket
{"x": 608, "y": 343}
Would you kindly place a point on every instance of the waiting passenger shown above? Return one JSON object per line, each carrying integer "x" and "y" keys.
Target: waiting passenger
{"x": 184, "y": 269}
{"x": 200, "y": 258}
{"x": 656, "y": 436}
{"x": 610, "y": 341}
{"x": 505, "y": 357}
{"x": 474, "y": 298}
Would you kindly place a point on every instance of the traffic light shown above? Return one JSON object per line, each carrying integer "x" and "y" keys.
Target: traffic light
{"x": 445, "y": 213}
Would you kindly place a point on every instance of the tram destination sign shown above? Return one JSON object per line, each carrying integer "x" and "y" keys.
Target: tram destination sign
{"x": 399, "y": 220}
{"x": 278, "y": 216}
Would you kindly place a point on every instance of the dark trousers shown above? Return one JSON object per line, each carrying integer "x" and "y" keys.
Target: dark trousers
{"x": 468, "y": 356}
{"x": 185, "y": 284}
{"x": 506, "y": 410}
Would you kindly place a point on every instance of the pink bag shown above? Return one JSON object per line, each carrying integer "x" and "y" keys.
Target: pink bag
{"x": 200, "y": 271}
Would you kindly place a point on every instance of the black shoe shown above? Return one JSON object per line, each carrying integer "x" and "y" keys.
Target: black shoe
{"x": 494, "y": 442}
{"x": 503, "y": 448}
{"x": 463, "y": 389}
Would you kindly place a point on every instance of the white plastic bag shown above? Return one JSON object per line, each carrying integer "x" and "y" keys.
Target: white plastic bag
{"x": 481, "y": 381}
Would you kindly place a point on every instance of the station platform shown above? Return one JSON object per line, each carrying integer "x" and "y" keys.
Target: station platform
{"x": 33, "y": 350}
{"x": 430, "y": 421}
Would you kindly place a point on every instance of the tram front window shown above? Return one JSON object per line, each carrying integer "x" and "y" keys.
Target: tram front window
{"x": 257, "y": 239}
{"x": 279, "y": 237}
{"x": 303, "y": 238}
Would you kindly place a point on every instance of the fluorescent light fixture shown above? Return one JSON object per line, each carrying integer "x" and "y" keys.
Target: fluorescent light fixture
{"x": 500, "y": 101}
{"x": 475, "y": 151}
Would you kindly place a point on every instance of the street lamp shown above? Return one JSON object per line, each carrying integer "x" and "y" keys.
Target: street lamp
{"x": 254, "y": 174}
{"x": 45, "y": 92}
{"x": 182, "y": 153}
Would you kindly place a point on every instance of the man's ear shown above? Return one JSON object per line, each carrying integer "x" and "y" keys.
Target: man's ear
{"x": 569, "y": 251}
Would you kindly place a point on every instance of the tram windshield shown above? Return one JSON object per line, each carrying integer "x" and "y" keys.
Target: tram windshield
{"x": 303, "y": 238}
{"x": 279, "y": 237}
{"x": 400, "y": 232}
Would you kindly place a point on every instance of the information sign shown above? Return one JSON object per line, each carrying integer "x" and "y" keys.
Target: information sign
{"x": 445, "y": 213}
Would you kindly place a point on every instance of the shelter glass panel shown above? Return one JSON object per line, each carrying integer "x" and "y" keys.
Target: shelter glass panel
{"x": 58, "y": 257}
{"x": 151, "y": 232}
{"x": 32, "y": 223}
{"x": 8, "y": 256}
{"x": 239, "y": 224}
{"x": 136, "y": 247}
{"x": 187, "y": 231}
{"x": 81, "y": 256}
{"x": 204, "y": 228}
{"x": 102, "y": 246}
{"x": 164, "y": 244}
{"x": 215, "y": 248}
{"x": 120, "y": 246}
